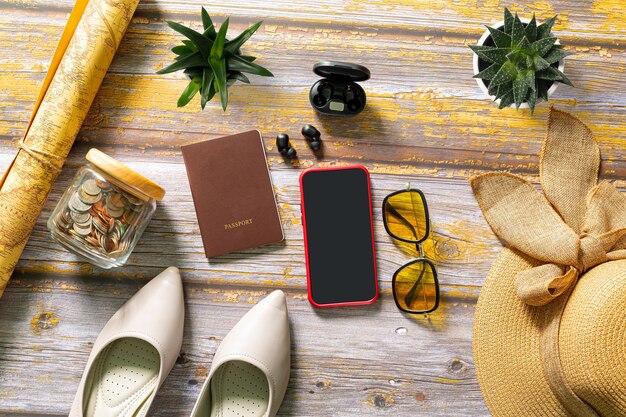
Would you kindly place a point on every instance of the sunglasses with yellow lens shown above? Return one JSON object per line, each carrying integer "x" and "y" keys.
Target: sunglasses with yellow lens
{"x": 415, "y": 286}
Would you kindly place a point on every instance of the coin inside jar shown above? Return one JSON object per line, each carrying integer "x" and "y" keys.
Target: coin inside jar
{"x": 79, "y": 217}
{"x": 90, "y": 187}
{"x": 117, "y": 199}
{"x": 103, "y": 185}
{"x": 115, "y": 205}
{"x": 115, "y": 212}
{"x": 108, "y": 243}
{"x": 64, "y": 220}
{"x": 134, "y": 201}
{"x": 130, "y": 216}
{"x": 82, "y": 230}
{"x": 75, "y": 204}
{"x": 100, "y": 225}
{"x": 88, "y": 198}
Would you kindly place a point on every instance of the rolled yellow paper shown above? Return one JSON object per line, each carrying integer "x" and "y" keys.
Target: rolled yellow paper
{"x": 85, "y": 51}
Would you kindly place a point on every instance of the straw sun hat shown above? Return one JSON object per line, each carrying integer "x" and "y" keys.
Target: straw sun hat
{"x": 550, "y": 325}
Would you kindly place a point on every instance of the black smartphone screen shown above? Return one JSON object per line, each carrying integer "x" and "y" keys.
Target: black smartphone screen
{"x": 340, "y": 251}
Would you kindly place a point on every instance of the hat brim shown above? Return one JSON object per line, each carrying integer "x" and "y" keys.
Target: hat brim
{"x": 506, "y": 345}
{"x": 508, "y": 333}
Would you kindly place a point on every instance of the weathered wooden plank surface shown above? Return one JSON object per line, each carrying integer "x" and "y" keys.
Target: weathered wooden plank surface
{"x": 426, "y": 122}
{"x": 346, "y": 362}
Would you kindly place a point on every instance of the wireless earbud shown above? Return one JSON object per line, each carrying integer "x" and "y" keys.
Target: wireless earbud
{"x": 313, "y": 136}
{"x": 284, "y": 146}
{"x": 324, "y": 93}
{"x": 350, "y": 97}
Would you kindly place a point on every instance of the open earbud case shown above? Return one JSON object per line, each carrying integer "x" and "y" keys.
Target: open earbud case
{"x": 338, "y": 93}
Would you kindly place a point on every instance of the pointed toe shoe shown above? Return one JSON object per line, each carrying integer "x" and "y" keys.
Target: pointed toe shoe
{"x": 251, "y": 367}
{"x": 134, "y": 352}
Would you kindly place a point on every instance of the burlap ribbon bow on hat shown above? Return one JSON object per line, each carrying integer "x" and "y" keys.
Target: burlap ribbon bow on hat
{"x": 579, "y": 224}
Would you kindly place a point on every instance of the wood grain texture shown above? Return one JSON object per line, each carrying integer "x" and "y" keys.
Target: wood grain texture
{"x": 426, "y": 122}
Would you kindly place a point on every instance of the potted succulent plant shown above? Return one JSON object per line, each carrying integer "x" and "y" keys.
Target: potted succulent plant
{"x": 211, "y": 62}
{"x": 517, "y": 62}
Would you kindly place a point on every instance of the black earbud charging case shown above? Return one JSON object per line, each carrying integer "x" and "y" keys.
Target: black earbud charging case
{"x": 338, "y": 93}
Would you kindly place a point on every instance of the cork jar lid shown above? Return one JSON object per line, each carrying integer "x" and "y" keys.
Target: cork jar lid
{"x": 124, "y": 174}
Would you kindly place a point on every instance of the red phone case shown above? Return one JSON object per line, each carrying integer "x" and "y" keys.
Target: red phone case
{"x": 306, "y": 246}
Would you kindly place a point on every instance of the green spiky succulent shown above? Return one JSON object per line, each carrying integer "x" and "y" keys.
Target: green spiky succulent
{"x": 212, "y": 62}
{"x": 522, "y": 63}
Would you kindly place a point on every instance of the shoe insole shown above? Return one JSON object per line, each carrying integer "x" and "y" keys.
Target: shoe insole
{"x": 239, "y": 389}
{"x": 125, "y": 375}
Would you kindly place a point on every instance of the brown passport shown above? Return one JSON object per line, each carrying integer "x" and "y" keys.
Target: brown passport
{"x": 232, "y": 192}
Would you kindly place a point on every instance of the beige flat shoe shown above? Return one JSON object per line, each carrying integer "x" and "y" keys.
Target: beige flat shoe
{"x": 250, "y": 369}
{"x": 134, "y": 352}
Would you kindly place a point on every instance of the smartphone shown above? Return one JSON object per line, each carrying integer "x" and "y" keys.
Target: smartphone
{"x": 339, "y": 246}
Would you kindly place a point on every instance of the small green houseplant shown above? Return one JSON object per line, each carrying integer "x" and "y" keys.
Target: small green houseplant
{"x": 211, "y": 62}
{"x": 519, "y": 62}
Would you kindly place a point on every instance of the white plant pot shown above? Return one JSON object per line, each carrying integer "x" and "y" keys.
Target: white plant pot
{"x": 481, "y": 83}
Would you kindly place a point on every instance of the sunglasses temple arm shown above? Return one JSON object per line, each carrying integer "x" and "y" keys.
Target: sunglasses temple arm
{"x": 409, "y": 296}
{"x": 403, "y": 219}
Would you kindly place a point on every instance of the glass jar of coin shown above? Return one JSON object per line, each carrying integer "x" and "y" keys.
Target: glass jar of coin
{"x": 104, "y": 212}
